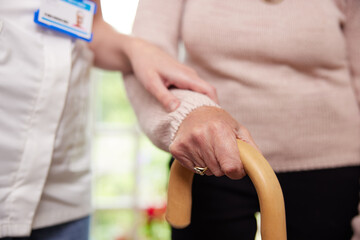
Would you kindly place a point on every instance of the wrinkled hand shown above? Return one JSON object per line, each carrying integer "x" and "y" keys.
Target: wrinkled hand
{"x": 156, "y": 70}
{"x": 207, "y": 138}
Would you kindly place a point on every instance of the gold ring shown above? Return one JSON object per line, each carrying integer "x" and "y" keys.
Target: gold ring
{"x": 200, "y": 170}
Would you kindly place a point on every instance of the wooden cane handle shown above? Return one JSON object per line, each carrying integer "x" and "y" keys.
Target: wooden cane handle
{"x": 273, "y": 223}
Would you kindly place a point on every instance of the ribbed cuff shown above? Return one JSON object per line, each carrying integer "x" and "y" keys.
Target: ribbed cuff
{"x": 189, "y": 102}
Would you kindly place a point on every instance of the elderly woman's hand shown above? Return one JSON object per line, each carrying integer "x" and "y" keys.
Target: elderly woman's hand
{"x": 207, "y": 138}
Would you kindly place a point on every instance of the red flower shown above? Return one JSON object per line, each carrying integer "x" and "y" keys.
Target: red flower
{"x": 155, "y": 212}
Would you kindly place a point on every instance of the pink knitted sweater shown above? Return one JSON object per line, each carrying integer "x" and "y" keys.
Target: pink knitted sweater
{"x": 289, "y": 72}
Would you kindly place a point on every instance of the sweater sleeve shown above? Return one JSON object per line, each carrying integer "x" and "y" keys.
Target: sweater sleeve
{"x": 352, "y": 34}
{"x": 159, "y": 22}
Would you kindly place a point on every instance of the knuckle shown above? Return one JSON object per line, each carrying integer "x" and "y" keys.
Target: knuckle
{"x": 215, "y": 126}
{"x": 149, "y": 86}
{"x": 150, "y": 79}
{"x": 231, "y": 169}
{"x": 177, "y": 149}
{"x": 198, "y": 133}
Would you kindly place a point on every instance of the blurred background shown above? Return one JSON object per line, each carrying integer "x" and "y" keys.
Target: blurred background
{"x": 129, "y": 173}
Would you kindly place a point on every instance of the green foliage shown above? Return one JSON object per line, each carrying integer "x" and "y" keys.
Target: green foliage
{"x": 111, "y": 224}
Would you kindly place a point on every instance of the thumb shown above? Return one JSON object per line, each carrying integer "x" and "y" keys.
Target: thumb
{"x": 158, "y": 89}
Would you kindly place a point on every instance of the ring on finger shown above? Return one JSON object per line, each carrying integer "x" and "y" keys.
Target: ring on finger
{"x": 200, "y": 170}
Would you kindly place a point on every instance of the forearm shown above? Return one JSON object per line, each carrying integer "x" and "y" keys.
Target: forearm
{"x": 109, "y": 46}
{"x": 159, "y": 125}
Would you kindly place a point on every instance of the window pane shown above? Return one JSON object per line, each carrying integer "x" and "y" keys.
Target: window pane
{"x": 154, "y": 174}
{"x": 111, "y": 104}
{"x": 130, "y": 173}
{"x": 113, "y": 164}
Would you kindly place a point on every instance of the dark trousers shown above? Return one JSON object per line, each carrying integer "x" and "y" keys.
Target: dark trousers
{"x": 319, "y": 206}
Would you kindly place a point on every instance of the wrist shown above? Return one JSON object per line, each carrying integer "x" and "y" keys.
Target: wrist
{"x": 131, "y": 44}
{"x": 190, "y": 101}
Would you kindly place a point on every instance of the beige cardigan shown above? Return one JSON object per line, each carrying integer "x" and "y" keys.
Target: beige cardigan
{"x": 288, "y": 72}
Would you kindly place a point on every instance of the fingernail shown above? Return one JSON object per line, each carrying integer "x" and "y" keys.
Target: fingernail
{"x": 173, "y": 105}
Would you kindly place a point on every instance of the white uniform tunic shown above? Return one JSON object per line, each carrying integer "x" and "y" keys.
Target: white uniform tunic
{"x": 44, "y": 150}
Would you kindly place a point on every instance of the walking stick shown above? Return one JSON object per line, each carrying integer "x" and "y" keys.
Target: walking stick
{"x": 273, "y": 224}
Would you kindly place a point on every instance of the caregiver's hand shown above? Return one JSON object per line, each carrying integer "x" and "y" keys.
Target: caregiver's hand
{"x": 207, "y": 138}
{"x": 156, "y": 70}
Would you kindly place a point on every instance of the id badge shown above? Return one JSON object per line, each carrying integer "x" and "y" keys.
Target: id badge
{"x": 72, "y": 17}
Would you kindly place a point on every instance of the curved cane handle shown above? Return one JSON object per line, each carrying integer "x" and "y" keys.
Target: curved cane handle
{"x": 273, "y": 224}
